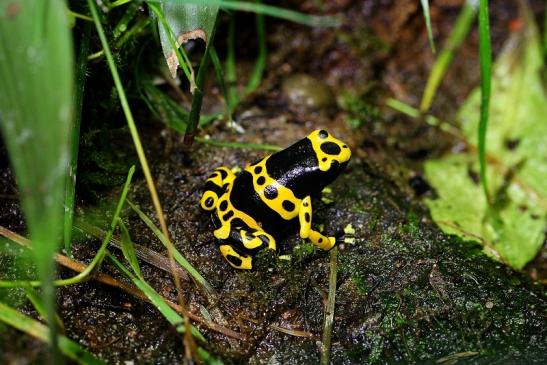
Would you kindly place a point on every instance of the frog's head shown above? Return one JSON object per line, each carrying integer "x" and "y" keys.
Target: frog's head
{"x": 331, "y": 153}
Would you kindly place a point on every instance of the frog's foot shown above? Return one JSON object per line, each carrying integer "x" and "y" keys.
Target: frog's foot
{"x": 343, "y": 237}
{"x": 243, "y": 244}
{"x": 235, "y": 259}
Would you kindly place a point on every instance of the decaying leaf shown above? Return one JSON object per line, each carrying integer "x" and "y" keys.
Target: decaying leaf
{"x": 186, "y": 22}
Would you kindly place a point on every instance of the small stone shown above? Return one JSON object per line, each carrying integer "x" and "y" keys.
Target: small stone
{"x": 304, "y": 91}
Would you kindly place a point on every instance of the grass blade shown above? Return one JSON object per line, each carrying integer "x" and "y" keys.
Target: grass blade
{"x": 195, "y": 111}
{"x": 70, "y": 182}
{"x": 457, "y": 35}
{"x": 36, "y": 329}
{"x": 129, "y": 250}
{"x": 260, "y": 64}
{"x": 274, "y": 11}
{"x": 485, "y": 54}
{"x": 231, "y": 76}
{"x": 425, "y": 8}
{"x": 220, "y": 79}
{"x": 36, "y": 74}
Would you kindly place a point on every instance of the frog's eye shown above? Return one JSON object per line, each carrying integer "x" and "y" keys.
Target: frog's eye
{"x": 208, "y": 200}
{"x": 323, "y": 134}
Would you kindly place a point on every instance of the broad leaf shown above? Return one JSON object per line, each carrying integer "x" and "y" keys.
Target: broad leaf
{"x": 186, "y": 22}
{"x": 513, "y": 227}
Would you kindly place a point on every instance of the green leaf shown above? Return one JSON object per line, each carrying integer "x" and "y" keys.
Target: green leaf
{"x": 36, "y": 74}
{"x": 512, "y": 229}
{"x": 186, "y": 22}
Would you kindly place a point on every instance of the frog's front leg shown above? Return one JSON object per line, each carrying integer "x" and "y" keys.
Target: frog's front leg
{"x": 304, "y": 216}
{"x": 243, "y": 244}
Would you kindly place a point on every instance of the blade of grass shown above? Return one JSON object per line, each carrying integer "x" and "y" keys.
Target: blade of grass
{"x": 457, "y": 35}
{"x": 260, "y": 64}
{"x": 127, "y": 17}
{"x": 255, "y": 146}
{"x": 231, "y": 63}
{"x": 425, "y": 8}
{"x": 274, "y": 11}
{"x": 176, "y": 254}
{"x": 35, "y": 329}
{"x": 329, "y": 310}
{"x": 485, "y": 55}
{"x": 220, "y": 79}
{"x": 70, "y": 181}
{"x": 36, "y": 96}
{"x": 129, "y": 250}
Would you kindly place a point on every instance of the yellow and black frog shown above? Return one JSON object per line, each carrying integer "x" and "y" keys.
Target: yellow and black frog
{"x": 272, "y": 197}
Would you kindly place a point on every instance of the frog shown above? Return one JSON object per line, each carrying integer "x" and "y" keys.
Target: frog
{"x": 254, "y": 208}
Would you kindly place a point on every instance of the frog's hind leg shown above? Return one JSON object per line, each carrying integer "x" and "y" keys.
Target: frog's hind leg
{"x": 304, "y": 217}
{"x": 215, "y": 187}
{"x": 243, "y": 244}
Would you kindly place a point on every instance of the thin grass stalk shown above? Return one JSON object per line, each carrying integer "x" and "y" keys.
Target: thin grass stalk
{"x": 260, "y": 64}
{"x": 70, "y": 183}
{"x": 231, "y": 63}
{"x": 221, "y": 82}
{"x": 485, "y": 55}
{"x": 425, "y": 9}
{"x": 270, "y": 10}
{"x": 329, "y": 310}
{"x": 457, "y": 35}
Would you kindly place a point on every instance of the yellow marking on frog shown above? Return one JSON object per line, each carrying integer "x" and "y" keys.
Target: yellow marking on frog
{"x": 304, "y": 217}
{"x": 284, "y": 197}
{"x": 324, "y": 160}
